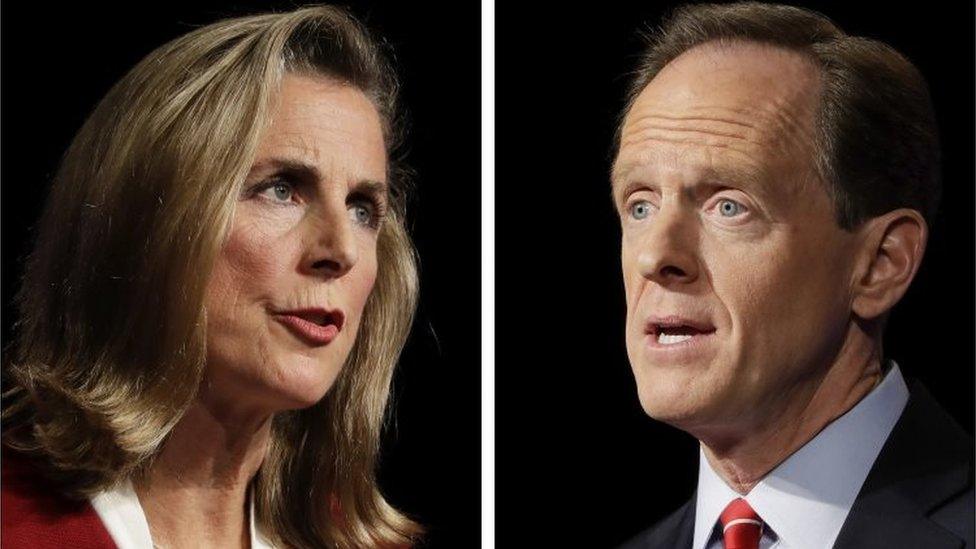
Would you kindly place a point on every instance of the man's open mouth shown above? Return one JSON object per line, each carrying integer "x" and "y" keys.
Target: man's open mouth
{"x": 675, "y": 331}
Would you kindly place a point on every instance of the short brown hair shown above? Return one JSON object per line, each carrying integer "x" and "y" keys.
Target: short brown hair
{"x": 878, "y": 145}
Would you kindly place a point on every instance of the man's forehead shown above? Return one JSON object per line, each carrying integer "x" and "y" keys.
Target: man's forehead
{"x": 746, "y": 81}
{"x": 778, "y": 69}
{"x": 743, "y": 101}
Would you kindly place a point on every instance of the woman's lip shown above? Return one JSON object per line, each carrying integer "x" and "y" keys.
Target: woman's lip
{"x": 319, "y": 316}
{"x": 308, "y": 330}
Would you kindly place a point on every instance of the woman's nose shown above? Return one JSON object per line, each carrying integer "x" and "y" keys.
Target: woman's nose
{"x": 333, "y": 249}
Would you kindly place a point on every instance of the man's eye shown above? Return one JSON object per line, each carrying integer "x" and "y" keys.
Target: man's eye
{"x": 730, "y": 208}
{"x": 640, "y": 209}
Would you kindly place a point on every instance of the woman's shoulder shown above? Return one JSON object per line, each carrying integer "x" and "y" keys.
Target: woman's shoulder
{"x": 34, "y": 514}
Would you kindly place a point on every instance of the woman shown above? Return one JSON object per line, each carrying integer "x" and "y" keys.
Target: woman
{"x": 219, "y": 291}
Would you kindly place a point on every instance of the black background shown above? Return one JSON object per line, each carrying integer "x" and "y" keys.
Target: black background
{"x": 59, "y": 60}
{"x": 578, "y": 462}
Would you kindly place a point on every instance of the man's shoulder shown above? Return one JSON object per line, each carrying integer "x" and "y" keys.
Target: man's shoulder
{"x": 676, "y": 531}
{"x": 920, "y": 491}
{"x": 927, "y": 452}
{"x": 956, "y": 515}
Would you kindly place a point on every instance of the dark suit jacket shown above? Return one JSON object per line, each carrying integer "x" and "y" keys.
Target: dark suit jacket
{"x": 918, "y": 494}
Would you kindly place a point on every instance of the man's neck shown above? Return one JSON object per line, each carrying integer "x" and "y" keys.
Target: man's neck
{"x": 743, "y": 458}
{"x": 195, "y": 492}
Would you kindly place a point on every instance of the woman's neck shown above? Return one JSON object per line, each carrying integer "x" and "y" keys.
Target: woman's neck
{"x": 195, "y": 492}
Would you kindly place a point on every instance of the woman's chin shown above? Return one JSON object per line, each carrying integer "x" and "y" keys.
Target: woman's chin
{"x": 300, "y": 401}
{"x": 297, "y": 394}
{"x": 290, "y": 385}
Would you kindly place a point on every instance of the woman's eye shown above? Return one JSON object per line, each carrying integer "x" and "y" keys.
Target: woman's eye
{"x": 362, "y": 214}
{"x": 279, "y": 192}
{"x": 730, "y": 208}
{"x": 640, "y": 209}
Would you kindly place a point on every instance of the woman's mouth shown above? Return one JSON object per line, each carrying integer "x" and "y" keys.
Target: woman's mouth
{"x": 315, "y": 326}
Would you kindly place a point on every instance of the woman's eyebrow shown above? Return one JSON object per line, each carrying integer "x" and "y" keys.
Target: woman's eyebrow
{"x": 370, "y": 187}
{"x": 306, "y": 171}
{"x": 293, "y": 166}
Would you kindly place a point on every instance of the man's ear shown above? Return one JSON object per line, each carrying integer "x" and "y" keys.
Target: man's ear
{"x": 892, "y": 250}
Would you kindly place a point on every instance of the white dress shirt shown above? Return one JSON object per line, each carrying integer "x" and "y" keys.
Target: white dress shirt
{"x": 125, "y": 521}
{"x": 805, "y": 500}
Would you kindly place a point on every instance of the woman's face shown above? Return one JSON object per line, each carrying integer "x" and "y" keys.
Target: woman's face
{"x": 289, "y": 286}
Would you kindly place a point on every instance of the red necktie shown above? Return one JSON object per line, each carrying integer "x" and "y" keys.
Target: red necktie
{"x": 740, "y": 526}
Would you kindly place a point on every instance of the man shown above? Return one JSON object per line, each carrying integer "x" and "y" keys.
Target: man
{"x": 775, "y": 180}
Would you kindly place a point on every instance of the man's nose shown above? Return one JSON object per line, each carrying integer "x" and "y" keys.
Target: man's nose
{"x": 332, "y": 249}
{"x": 669, "y": 252}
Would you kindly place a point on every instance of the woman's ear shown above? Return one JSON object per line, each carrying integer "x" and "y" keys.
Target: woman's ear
{"x": 892, "y": 250}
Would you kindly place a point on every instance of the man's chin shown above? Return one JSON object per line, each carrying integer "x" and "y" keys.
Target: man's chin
{"x": 671, "y": 401}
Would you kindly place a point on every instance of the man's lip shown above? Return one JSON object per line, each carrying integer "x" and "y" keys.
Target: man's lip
{"x": 680, "y": 350}
{"x": 656, "y": 323}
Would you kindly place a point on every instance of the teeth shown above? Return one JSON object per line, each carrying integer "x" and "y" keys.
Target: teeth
{"x": 668, "y": 339}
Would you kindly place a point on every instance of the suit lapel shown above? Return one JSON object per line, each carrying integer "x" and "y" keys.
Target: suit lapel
{"x": 685, "y": 533}
{"x": 677, "y": 531}
{"x": 924, "y": 463}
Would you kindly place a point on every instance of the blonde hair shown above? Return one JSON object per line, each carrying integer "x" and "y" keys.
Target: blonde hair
{"x": 110, "y": 341}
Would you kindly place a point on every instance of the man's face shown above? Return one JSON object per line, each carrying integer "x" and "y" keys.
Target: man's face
{"x": 738, "y": 279}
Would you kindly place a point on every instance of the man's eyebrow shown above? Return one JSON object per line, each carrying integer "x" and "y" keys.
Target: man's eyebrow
{"x": 743, "y": 175}
{"x": 618, "y": 172}
{"x": 618, "y": 178}
{"x": 622, "y": 184}
{"x": 708, "y": 174}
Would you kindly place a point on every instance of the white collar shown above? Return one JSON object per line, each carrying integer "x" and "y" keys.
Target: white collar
{"x": 125, "y": 521}
{"x": 806, "y": 498}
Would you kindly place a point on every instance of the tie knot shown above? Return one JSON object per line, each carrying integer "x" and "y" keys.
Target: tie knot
{"x": 741, "y": 526}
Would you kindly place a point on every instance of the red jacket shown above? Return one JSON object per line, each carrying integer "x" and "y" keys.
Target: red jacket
{"x": 34, "y": 515}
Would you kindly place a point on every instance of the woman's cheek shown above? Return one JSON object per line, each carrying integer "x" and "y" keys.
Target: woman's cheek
{"x": 363, "y": 278}
{"x": 257, "y": 246}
